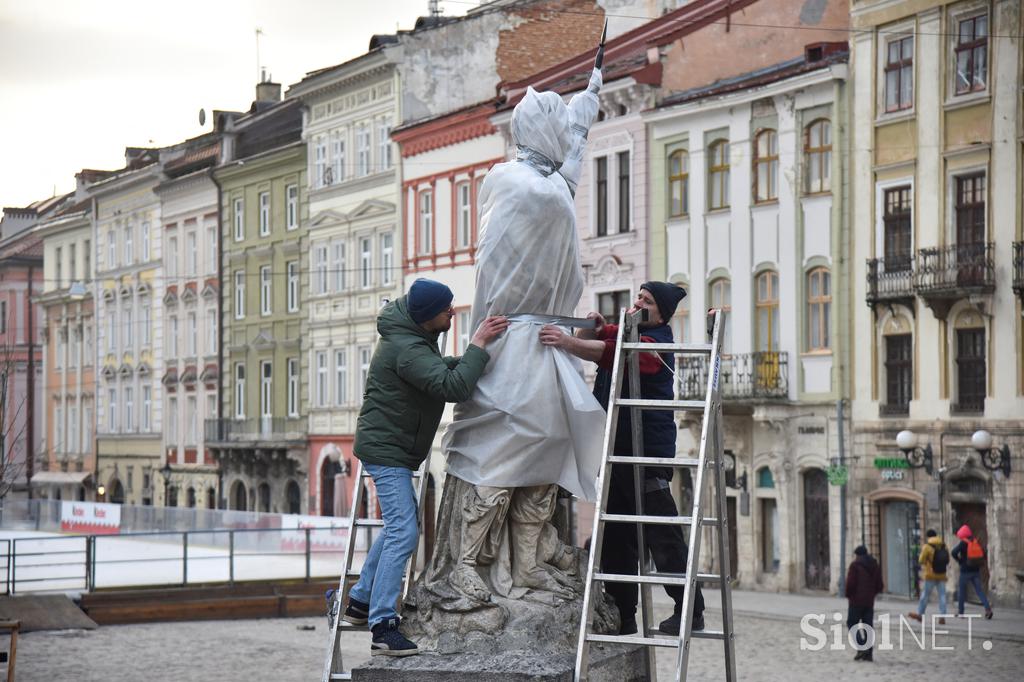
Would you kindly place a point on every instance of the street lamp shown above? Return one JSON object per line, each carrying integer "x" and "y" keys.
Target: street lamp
{"x": 165, "y": 471}
{"x": 917, "y": 457}
{"x": 994, "y": 460}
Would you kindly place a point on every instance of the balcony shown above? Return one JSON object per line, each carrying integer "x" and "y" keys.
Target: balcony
{"x": 1018, "y": 270}
{"x": 744, "y": 376}
{"x": 946, "y": 274}
{"x": 890, "y": 280}
{"x": 267, "y": 431}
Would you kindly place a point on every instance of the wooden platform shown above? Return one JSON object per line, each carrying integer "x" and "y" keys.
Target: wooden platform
{"x": 222, "y": 602}
{"x": 44, "y": 612}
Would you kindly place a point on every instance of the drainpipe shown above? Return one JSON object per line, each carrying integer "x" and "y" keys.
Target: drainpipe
{"x": 842, "y": 498}
{"x": 30, "y": 450}
{"x": 220, "y": 328}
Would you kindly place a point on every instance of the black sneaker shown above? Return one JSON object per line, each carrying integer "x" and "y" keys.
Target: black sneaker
{"x": 670, "y": 626}
{"x": 357, "y": 612}
{"x": 628, "y": 626}
{"x": 388, "y": 641}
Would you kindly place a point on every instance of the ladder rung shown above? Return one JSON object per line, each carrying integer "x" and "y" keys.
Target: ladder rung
{"x": 656, "y": 461}
{"x": 657, "y": 520}
{"x": 704, "y": 348}
{"x": 366, "y": 474}
{"x": 707, "y": 634}
{"x": 654, "y": 578}
{"x": 633, "y": 639}
{"x": 370, "y": 523}
{"x": 676, "y": 405}
{"x": 341, "y": 676}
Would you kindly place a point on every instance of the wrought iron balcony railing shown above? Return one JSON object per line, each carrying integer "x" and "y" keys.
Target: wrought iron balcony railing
{"x": 261, "y": 430}
{"x": 890, "y": 279}
{"x": 743, "y": 376}
{"x": 956, "y": 269}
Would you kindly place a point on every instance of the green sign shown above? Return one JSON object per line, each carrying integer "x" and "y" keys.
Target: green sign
{"x": 891, "y": 463}
{"x": 838, "y": 475}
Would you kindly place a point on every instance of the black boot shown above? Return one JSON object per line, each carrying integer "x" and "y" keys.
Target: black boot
{"x": 670, "y": 626}
{"x": 388, "y": 641}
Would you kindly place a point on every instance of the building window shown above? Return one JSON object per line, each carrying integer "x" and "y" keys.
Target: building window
{"x": 767, "y": 305}
{"x": 265, "y": 291}
{"x": 770, "y": 550}
{"x": 239, "y": 390}
{"x": 972, "y": 54}
{"x": 129, "y": 409}
{"x": 718, "y": 174}
{"x": 384, "y": 144}
{"x": 680, "y": 322}
{"x": 463, "y": 216}
{"x": 340, "y": 377}
{"x": 291, "y": 202}
{"x": 426, "y": 226}
{"x": 899, "y": 372}
{"x": 896, "y": 219}
{"x": 970, "y": 370}
{"x": 679, "y": 183}
{"x": 211, "y": 250}
{"x": 87, "y": 427}
{"x": 365, "y": 262}
{"x": 239, "y": 220}
{"x": 721, "y": 299}
{"x": 463, "y": 331}
{"x": 112, "y": 410}
{"x": 173, "y": 341}
{"x": 192, "y": 254}
{"x": 129, "y": 253}
{"x": 322, "y": 175}
{"x": 239, "y": 294}
{"x": 387, "y": 258}
{"x": 818, "y": 157}
{"x": 58, "y": 359}
{"x": 58, "y": 259}
{"x": 71, "y": 264}
{"x": 601, "y": 175}
{"x": 144, "y": 256}
{"x": 264, "y": 214}
{"x": 610, "y": 303}
{"x": 622, "y": 161}
{"x": 58, "y": 429}
{"x": 766, "y": 166}
{"x": 145, "y": 420}
{"x": 111, "y": 329}
{"x": 970, "y": 210}
{"x": 362, "y": 150}
{"x": 193, "y": 334}
{"x": 191, "y": 419}
{"x": 87, "y": 260}
{"x": 320, "y": 271}
{"x": 266, "y": 389}
{"x": 293, "y": 286}
{"x": 293, "y": 387}
{"x": 171, "y": 262}
{"x": 819, "y": 304}
{"x": 126, "y": 328}
{"x": 211, "y": 332}
{"x": 321, "y": 378}
{"x": 337, "y": 157}
{"x": 172, "y": 421}
{"x": 364, "y": 369}
{"x": 899, "y": 74}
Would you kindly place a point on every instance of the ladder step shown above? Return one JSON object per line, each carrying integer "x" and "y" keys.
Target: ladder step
{"x": 695, "y": 634}
{"x": 657, "y": 520}
{"x": 654, "y": 578}
{"x": 679, "y": 348}
{"x": 672, "y": 642}
{"x": 341, "y": 676}
{"x": 675, "y": 405}
{"x": 656, "y": 461}
{"x": 369, "y": 523}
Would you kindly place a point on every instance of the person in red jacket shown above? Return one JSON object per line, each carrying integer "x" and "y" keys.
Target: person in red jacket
{"x": 863, "y": 584}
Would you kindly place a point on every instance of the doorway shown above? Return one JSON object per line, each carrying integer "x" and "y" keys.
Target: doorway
{"x": 817, "y": 570}
{"x": 901, "y": 541}
{"x": 974, "y": 515}
{"x": 329, "y": 489}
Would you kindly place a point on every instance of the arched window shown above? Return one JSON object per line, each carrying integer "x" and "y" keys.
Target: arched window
{"x": 680, "y": 322}
{"x": 819, "y": 305}
{"x": 818, "y": 156}
{"x": 264, "y": 497}
{"x": 211, "y": 498}
{"x": 293, "y": 495}
{"x": 679, "y": 183}
{"x": 767, "y": 304}
{"x": 765, "y": 478}
{"x": 766, "y": 166}
{"x": 190, "y": 497}
{"x": 718, "y": 174}
{"x": 239, "y": 498}
{"x": 721, "y": 299}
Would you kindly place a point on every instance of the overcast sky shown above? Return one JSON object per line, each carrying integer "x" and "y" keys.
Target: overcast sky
{"x": 82, "y": 79}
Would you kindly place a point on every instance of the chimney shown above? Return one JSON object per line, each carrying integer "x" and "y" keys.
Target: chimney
{"x": 268, "y": 91}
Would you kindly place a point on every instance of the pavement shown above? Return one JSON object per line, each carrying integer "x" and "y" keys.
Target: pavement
{"x": 770, "y": 647}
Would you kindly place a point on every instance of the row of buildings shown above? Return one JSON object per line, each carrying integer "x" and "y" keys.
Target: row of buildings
{"x": 844, "y": 179}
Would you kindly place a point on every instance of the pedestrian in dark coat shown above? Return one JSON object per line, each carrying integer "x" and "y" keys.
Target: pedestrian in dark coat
{"x": 863, "y": 584}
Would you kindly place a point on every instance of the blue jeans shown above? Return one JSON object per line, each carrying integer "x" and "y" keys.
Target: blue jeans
{"x": 930, "y": 585}
{"x": 380, "y": 581}
{"x": 974, "y": 578}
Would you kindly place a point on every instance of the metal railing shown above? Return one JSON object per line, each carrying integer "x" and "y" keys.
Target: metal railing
{"x": 255, "y": 430}
{"x": 744, "y": 376}
{"x": 890, "y": 279}
{"x": 1018, "y": 268}
{"x": 960, "y": 267}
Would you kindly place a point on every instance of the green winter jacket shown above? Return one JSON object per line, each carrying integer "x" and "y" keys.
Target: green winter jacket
{"x": 406, "y": 389}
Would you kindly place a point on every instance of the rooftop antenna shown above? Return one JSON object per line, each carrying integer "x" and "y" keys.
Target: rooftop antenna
{"x": 432, "y": 6}
{"x": 259, "y": 32}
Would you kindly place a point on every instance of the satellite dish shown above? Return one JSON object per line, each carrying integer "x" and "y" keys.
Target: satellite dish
{"x": 202, "y": 117}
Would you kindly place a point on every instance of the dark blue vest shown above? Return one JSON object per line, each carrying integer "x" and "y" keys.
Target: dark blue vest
{"x": 659, "y": 426}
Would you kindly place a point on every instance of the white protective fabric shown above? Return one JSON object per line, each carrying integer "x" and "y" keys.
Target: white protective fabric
{"x": 532, "y": 419}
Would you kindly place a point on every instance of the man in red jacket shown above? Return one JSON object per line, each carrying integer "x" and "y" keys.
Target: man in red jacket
{"x": 863, "y": 584}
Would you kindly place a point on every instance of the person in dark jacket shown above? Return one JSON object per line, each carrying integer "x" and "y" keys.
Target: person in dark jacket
{"x": 970, "y": 571}
{"x": 407, "y": 386}
{"x": 863, "y": 584}
{"x": 667, "y": 543}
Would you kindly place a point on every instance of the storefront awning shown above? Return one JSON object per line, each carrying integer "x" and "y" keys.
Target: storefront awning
{"x": 61, "y": 477}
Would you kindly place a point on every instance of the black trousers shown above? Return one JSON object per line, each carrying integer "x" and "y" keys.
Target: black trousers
{"x": 666, "y": 543}
{"x": 860, "y": 614}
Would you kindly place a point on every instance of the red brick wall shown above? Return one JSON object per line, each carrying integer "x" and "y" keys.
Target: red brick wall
{"x": 551, "y": 32}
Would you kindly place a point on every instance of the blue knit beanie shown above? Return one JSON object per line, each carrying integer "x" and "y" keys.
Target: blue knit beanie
{"x": 427, "y": 298}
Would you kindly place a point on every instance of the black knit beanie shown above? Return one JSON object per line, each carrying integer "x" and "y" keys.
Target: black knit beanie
{"x": 667, "y": 296}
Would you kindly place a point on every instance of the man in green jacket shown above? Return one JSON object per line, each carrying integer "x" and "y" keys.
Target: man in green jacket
{"x": 408, "y": 384}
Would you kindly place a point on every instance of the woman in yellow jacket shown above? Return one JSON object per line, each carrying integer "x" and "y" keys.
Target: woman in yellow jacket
{"x": 934, "y": 559}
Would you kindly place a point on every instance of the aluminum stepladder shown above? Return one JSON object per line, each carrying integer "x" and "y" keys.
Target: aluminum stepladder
{"x": 627, "y": 350}
{"x": 333, "y": 666}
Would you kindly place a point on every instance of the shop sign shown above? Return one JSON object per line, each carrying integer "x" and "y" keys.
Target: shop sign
{"x": 891, "y": 468}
